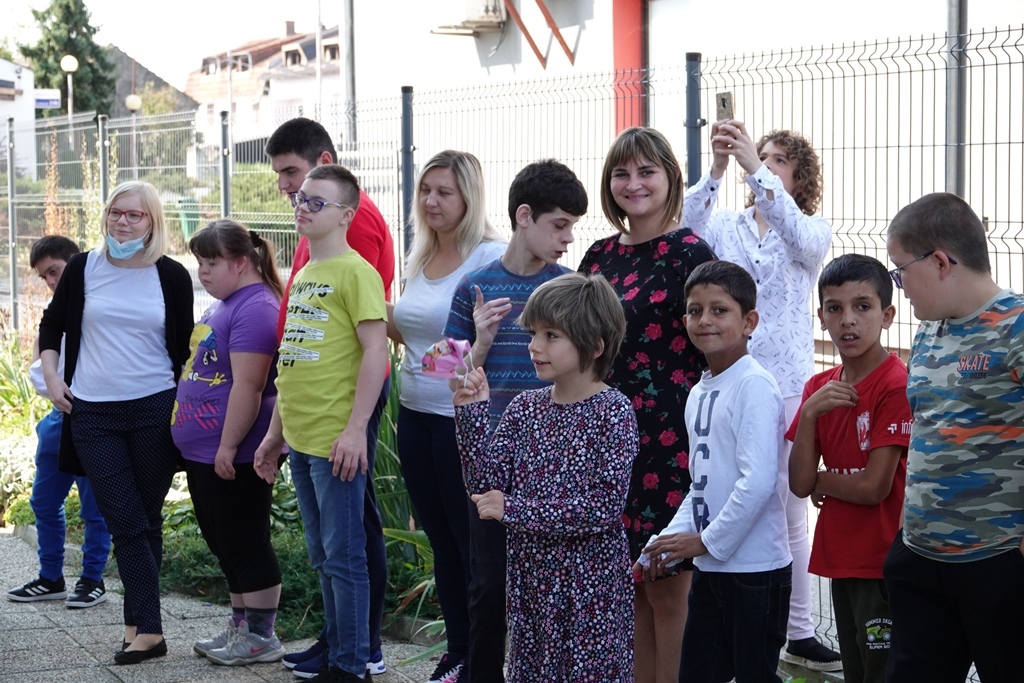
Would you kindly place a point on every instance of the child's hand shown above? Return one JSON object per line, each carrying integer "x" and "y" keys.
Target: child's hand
{"x": 265, "y": 460}
{"x": 835, "y": 394}
{"x": 490, "y": 505}
{"x": 224, "y": 462}
{"x": 472, "y": 388}
{"x": 818, "y": 499}
{"x": 348, "y": 453}
{"x": 667, "y": 550}
{"x": 488, "y": 316}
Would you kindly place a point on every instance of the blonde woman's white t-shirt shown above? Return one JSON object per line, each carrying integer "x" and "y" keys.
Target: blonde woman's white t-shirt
{"x": 123, "y": 354}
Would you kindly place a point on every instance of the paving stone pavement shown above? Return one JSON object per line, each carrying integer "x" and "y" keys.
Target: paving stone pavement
{"x": 45, "y": 641}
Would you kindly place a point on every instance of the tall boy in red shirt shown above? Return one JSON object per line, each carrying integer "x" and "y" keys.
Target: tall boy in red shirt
{"x": 856, "y": 418}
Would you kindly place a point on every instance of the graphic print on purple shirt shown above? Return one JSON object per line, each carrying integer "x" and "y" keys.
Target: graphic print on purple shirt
{"x": 242, "y": 323}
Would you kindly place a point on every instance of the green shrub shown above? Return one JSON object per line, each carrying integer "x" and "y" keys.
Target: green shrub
{"x": 20, "y": 405}
{"x": 19, "y": 511}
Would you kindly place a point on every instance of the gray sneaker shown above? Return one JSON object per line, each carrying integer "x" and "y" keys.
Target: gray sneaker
{"x": 203, "y": 647}
{"x": 247, "y": 648}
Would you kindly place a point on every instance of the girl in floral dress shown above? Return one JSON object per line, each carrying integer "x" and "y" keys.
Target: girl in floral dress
{"x": 647, "y": 263}
{"x": 556, "y": 473}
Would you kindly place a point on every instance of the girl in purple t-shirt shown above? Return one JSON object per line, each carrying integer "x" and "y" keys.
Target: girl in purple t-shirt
{"x": 225, "y": 400}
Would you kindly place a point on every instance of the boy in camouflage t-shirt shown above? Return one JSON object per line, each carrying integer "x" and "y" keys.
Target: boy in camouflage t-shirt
{"x": 955, "y": 576}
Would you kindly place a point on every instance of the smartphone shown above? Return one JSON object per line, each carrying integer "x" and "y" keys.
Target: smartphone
{"x": 723, "y": 106}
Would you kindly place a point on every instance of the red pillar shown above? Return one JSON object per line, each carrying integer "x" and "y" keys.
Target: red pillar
{"x": 628, "y": 32}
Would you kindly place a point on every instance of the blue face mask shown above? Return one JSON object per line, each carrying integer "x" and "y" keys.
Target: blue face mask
{"x": 124, "y": 250}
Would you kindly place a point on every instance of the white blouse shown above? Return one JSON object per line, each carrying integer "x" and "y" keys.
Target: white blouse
{"x": 785, "y": 264}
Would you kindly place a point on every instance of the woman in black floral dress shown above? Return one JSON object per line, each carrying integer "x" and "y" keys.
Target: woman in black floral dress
{"x": 648, "y": 263}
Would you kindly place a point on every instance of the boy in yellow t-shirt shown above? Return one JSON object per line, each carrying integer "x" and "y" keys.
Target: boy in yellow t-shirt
{"x": 331, "y": 367}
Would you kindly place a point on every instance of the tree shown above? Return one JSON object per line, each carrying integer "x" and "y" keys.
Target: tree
{"x": 65, "y": 30}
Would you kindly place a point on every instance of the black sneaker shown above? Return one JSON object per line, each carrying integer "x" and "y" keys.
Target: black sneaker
{"x": 88, "y": 593}
{"x": 447, "y": 671}
{"x": 811, "y": 654}
{"x": 40, "y": 589}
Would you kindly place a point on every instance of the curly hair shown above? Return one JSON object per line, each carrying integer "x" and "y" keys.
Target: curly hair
{"x": 806, "y": 168}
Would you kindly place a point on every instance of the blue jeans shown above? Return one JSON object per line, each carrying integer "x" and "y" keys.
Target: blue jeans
{"x": 736, "y": 626}
{"x": 332, "y": 512}
{"x": 49, "y": 489}
{"x": 376, "y": 550}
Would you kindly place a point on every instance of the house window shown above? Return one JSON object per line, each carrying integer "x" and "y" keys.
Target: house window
{"x": 292, "y": 58}
{"x": 331, "y": 53}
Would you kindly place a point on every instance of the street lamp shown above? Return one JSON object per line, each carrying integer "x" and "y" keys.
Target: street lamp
{"x": 134, "y": 104}
{"x": 69, "y": 65}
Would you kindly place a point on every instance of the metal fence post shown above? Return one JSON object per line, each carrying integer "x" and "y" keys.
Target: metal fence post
{"x": 693, "y": 120}
{"x": 10, "y": 222}
{"x": 407, "y": 175}
{"x": 103, "y": 150}
{"x": 956, "y": 97}
{"x": 225, "y": 158}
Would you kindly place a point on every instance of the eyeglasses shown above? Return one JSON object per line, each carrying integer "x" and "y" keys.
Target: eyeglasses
{"x": 133, "y": 217}
{"x": 314, "y": 205}
{"x": 897, "y": 273}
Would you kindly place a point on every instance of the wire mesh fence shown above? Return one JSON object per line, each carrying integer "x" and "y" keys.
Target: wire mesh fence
{"x": 876, "y": 114}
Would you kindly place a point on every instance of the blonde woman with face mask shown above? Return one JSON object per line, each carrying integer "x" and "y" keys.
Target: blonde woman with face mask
{"x": 124, "y": 310}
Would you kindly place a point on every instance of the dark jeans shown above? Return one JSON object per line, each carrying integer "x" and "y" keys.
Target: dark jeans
{"x": 234, "y": 517}
{"x": 129, "y": 457}
{"x": 736, "y": 626}
{"x": 488, "y": 629}
{"x": 947, "y": 614}
{"x": 433, "y": 478}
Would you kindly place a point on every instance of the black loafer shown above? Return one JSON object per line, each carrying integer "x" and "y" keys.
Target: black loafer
{"x": 136, "y": 656}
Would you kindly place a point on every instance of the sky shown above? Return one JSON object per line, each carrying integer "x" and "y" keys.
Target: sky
{"x": 200, "y": 28}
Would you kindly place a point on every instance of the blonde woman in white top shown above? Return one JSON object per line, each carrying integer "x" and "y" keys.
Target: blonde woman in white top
{"x": 452, "y": 237}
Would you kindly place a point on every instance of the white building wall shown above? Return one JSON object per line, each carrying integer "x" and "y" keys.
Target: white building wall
{"x": 23, "y": 110}
{"x": 394, "y": 45}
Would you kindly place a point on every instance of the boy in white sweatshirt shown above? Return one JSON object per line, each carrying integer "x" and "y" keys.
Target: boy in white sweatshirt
{"x": 733, "y": 520}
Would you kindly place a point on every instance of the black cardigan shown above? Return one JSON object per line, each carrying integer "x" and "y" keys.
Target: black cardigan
{"x": 63, "y": 319}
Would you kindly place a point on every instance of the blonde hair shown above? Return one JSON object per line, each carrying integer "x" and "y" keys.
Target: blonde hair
{"x": 634, "y": 144}
{"x": 474, "y": 227}
{"x": 157, "y": 240}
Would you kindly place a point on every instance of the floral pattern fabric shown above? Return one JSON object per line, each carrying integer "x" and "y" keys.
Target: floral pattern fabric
{"x": 656, "y": 367}
{"x": 564, "y": 469}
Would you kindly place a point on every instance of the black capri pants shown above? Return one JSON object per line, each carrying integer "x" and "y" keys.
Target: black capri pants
{"x": 234, "y": 517}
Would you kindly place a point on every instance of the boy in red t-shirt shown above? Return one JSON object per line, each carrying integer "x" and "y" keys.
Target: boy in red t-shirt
{"x": 856, "y": 418}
